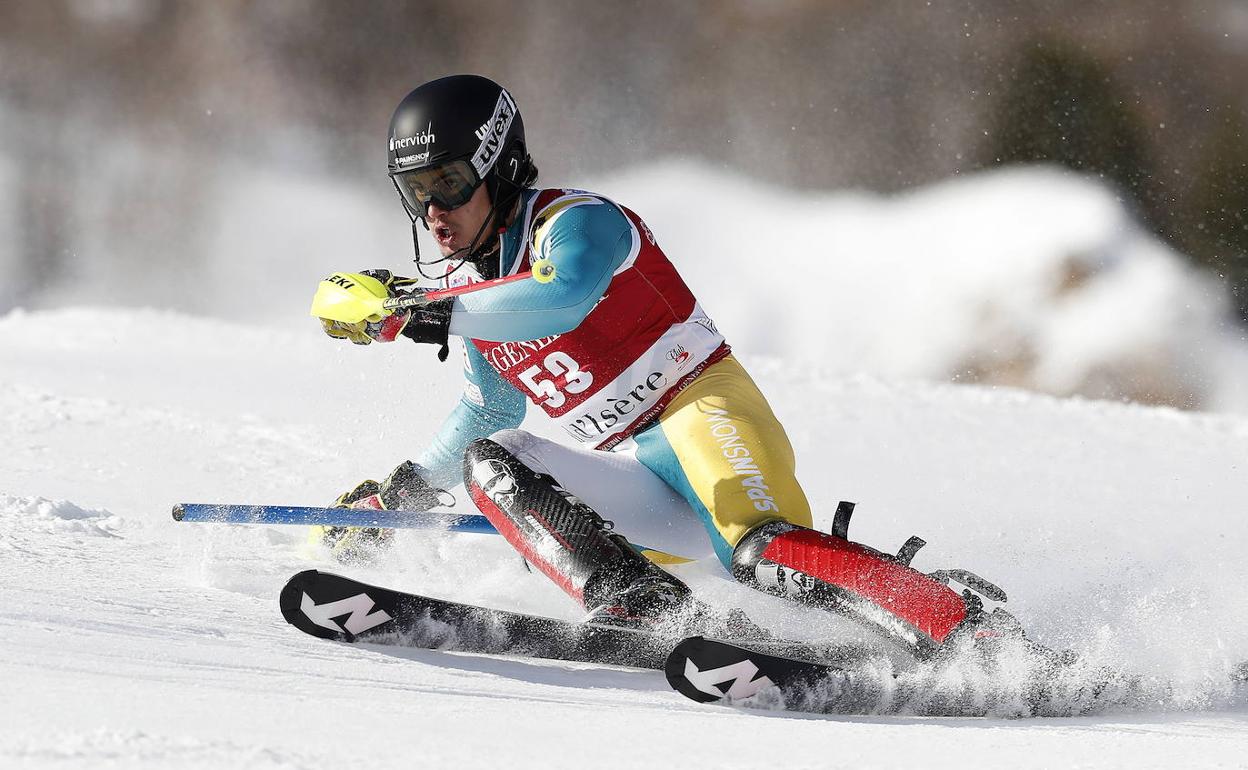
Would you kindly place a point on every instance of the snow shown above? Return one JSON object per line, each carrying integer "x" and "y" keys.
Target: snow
{"x": 1032, "y": 277}
{"x": 129, "y": 640}
{"x": 1029, "y": 277}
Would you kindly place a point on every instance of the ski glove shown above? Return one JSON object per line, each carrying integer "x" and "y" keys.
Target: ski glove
{"x": 424, "y": 323}
{"x": 430, "y": 323}
{"x": 405, "y": 489}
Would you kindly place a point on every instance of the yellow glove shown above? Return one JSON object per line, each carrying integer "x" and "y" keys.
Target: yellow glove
{"x": 340, "y": 330}
{"x": 359, "y": 296}
{"x": 381, "y": 284}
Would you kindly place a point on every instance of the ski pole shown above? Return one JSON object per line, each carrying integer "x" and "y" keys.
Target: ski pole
{"x": 330, "y": 517}
{"x": 226, "y": 513}
{"x": 341, "y": 298}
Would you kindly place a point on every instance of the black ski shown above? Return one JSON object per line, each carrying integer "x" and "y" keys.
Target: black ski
{"x": 333, "y": 607}
{"x": 972, "y": 684}
{"x": 708, "y": 670}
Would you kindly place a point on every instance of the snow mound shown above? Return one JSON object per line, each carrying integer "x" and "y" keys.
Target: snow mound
{"x": 1031, "y": 277}
{"x": 56, "y": 517}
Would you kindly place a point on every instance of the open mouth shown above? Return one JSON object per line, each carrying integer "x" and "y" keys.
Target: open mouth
{"x": 443, "y": 234}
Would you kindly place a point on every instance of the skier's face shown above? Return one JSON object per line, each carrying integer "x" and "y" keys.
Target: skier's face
{"x": 454, "y": 229}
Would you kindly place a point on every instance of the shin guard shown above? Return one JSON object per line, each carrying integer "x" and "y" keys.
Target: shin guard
{"x": 834, "y": 573}
{"x": 556, "y": 533}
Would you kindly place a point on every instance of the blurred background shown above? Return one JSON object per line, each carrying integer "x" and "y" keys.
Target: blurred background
{"x": 1050, "y": 195}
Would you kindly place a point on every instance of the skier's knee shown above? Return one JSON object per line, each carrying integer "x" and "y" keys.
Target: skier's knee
{"x": 511, "y": 444}
{"x": 524, "y": 446}
{"x": 513, "y": 440}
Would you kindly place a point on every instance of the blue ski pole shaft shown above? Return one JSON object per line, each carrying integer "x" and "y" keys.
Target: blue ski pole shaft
{"x": 335, "y": 517}
{"x": 365, "y": 517}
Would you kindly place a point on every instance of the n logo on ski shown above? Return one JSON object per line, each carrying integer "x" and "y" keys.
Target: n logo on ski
{"x": 707, "y": 670}
{"x": 738, "y": 676}
{"x": 360, "y": 608}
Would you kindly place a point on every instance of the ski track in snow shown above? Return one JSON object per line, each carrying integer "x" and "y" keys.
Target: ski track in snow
{"x": 131, "y": 641}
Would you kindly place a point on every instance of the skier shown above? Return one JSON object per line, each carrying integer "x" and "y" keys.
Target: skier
{"x": 681, "y": 450}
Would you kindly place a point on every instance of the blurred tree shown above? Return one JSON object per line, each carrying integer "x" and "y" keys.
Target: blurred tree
{"x": 158, "y": 100}
{"x": 1217, "y": 211}
{"x": 1061, "y": 106}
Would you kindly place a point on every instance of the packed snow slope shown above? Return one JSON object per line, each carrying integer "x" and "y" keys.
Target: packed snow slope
{"x": 129, "y": 640}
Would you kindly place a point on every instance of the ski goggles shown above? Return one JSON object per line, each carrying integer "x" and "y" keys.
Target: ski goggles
{"x": 450, "y": 185}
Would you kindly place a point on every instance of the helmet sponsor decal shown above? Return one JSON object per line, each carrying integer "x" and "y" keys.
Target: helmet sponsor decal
{"x": 422, "y": 139}
{"x": 408, "y": 160}
{"x": 417, "y": 141}
{"x": 492, "y": 133}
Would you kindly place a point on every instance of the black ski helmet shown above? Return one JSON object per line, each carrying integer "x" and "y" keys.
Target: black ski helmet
{"x": 449, "y": 136}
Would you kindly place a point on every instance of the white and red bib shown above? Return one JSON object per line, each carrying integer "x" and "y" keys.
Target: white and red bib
{"x": 643, "y": 342}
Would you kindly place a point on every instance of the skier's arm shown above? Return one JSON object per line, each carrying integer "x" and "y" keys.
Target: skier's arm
{"x": 586, "y": 243}
{"x": 489, "y": 404}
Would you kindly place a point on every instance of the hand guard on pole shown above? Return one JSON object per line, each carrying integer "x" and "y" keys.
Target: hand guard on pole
{"x": 424, "y": 323}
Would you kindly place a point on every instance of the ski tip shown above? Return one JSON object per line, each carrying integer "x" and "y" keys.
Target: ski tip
{"x": 292, "y": 592}
{"x": 298, "y": 582}
{"x": 291, "y": 601}
{"x": 179, "y": 512}
{"x": 680, "y": 661}
{"x": 306, "y": 574}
